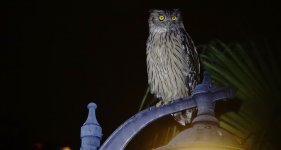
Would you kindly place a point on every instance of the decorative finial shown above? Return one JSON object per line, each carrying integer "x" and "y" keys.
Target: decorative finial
{"x": 91, "y": 132}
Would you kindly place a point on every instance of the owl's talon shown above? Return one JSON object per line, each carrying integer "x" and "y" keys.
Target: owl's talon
{"x": 159, "y": 103}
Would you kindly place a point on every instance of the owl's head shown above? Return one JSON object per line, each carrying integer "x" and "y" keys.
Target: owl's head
{"x": 164, "y": 20}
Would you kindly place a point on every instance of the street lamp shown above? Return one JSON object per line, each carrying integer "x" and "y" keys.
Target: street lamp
{"x": 205, "y": 133}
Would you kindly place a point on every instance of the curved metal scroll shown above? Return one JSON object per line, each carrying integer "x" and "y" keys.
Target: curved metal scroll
{"x": 124, "y": 133}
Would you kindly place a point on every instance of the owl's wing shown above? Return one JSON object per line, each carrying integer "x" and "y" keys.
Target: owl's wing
{"x": 193, "y": 75}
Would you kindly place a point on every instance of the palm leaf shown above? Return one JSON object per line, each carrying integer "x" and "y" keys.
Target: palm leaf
{"x": 252, "y": 72}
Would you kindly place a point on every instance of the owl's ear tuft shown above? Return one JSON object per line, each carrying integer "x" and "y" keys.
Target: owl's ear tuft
{"x": 177, "y": 10}
{"x": 154, "y": 10}
{"x": 151, "y": 10}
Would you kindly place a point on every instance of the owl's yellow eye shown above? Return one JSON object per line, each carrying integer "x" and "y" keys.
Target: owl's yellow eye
{"x": 174, "y": 18}
{"x": 161, "y": 18}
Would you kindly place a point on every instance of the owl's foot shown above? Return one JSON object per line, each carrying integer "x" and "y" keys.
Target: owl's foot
{"x": 160, "y": 103}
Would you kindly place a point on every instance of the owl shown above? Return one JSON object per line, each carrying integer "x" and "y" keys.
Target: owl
{"x": 173, "y": 65}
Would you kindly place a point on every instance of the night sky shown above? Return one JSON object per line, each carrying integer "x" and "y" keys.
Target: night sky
{"x": 57, "y": 56}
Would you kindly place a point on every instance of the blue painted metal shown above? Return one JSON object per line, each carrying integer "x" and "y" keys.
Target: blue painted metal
{"x": 204, "y": 97}
{"x": 91, "y": 132}
{"x": 204, "y": 100}
{"x": 205, "y": 133}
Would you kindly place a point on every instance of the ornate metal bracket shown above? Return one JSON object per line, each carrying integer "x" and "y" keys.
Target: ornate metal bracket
{"x": 203, "y": 97}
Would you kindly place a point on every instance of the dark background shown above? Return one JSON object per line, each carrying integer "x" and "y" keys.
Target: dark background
{"x": 57, "y": 56}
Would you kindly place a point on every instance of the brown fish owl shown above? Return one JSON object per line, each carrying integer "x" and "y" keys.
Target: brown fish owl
{"x": 172, "y": 60}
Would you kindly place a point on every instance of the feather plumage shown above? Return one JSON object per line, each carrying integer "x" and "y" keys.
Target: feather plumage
{"x": 172, "y": 60}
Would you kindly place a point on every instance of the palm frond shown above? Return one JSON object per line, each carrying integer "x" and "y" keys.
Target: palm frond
{"x": 253, "y": 72}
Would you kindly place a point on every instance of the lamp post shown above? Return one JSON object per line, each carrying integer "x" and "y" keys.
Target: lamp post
{"x": 205, "y": 132}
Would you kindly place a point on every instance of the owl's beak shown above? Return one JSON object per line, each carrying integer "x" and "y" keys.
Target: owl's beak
{"x": 169, "y": 24}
